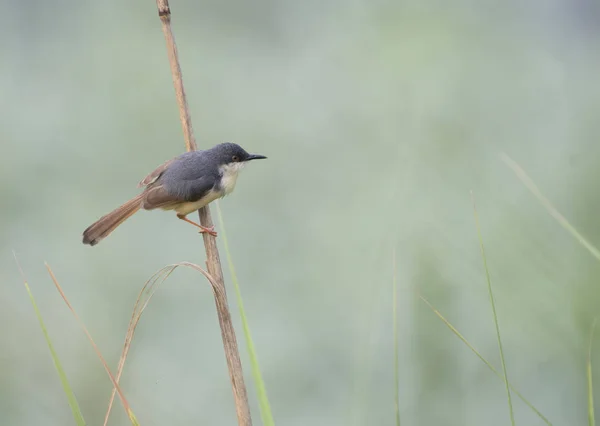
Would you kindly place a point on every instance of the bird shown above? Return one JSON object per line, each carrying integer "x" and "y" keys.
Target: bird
{"x": 184, "y": 184}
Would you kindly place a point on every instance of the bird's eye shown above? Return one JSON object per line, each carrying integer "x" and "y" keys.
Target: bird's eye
{"x": 235, "y": 158}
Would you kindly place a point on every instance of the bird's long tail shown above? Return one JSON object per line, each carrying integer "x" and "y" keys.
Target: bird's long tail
{"x": 100, "y": 229}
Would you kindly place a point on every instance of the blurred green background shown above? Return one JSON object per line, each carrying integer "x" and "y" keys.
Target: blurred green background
{"x": 378, "y": 118}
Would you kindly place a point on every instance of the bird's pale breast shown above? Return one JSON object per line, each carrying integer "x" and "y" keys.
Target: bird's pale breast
{"x": 229, "y": 173}
{"x": 186, "y": 208}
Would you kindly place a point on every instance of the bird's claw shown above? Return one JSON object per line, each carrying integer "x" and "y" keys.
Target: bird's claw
{"x": 210, "y": 230}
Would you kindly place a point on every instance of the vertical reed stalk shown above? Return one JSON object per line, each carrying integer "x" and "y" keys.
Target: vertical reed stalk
{"x": 213, "y": 261}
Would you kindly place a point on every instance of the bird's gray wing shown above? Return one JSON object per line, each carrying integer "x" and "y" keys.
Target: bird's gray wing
{"x": 190, "y": 165}
{"x": 155, "y": 174}
{"x": 167, "y": 194}
{"x": 193, "y": 189}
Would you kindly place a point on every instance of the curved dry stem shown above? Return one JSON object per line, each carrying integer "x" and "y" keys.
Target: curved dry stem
{"x": 148, "y": 288}
{"x": 142, "y": 301}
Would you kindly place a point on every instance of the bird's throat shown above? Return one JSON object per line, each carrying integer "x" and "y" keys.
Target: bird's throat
{"x": 229, "y": 175}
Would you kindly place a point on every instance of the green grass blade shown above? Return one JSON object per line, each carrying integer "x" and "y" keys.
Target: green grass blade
{"x": 395, "y": 331}
{"x": 591, "y": 420}
{"x": 79, "y": 420}
{"x": 523, "y": 177}
{"x": 593, "y": 250}
{"x": 491, "y": 294}
{"x": 261, "y": 390}
{"x": 485, "y": 361}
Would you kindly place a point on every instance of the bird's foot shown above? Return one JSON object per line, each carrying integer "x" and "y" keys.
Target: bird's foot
{"x": 210, "y": 230}
{"x": 203, "y": 229}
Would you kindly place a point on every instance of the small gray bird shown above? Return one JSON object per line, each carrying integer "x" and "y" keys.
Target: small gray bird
{"x": 185, "y": 184}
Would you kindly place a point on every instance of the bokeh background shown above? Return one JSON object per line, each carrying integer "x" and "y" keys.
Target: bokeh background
{"x": 378, "y": 118}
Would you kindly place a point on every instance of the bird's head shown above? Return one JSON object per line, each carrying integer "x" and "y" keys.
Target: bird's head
{"x": 231, "y": 158}
{"x": 232, "y": 155}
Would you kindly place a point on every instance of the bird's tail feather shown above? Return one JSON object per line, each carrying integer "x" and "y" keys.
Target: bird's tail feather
{"x": 100, "y": 229}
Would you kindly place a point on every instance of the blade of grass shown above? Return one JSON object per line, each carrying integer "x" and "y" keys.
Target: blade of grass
{"x": 591, "y": 419}
{"x": 126, "y": 405}
{"x": 489, "y": 285}
{"x": 485, "y": 361}
{"x": 72, "y": 400}
{"x": 395, "y": 331}
{"x": 593, "y": 250}
{"x": 261, "y": 390}
{"x": 523, "y": 177}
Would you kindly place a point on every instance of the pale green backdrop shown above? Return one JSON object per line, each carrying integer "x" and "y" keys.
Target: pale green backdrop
{"x": 378, "y": 118}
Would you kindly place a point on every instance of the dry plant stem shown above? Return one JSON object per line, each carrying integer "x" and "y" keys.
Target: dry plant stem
{"x": 98, "y": 353}
{"x": 141, "y": 303}
{"x": 213, "y": 262}
{"x": 164, "y": 12}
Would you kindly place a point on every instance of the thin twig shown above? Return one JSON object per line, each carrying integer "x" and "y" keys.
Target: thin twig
{"x": 213, "y": 261}
{"x": 164, "y": 12}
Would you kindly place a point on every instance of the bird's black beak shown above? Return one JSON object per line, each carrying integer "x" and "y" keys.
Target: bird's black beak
{"x": 255, "y": 157}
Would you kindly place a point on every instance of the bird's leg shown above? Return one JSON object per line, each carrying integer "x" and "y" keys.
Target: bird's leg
{"x": 203, "y": 229}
